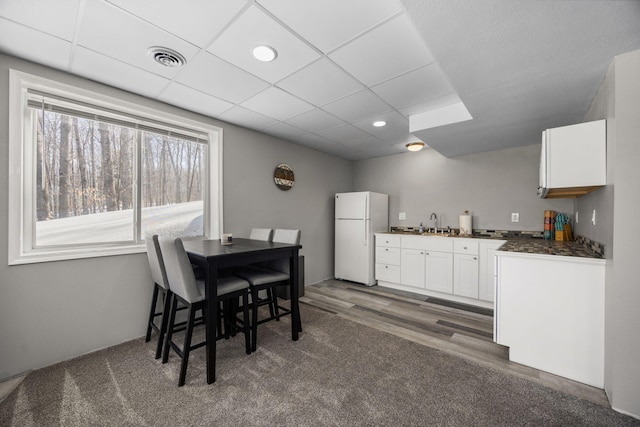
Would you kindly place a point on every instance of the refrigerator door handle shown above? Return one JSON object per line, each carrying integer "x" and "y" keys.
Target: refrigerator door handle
{"x": 365, "y": 232}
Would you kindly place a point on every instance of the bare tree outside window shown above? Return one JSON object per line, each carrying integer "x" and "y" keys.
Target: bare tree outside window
{"x": 86, "y": 173}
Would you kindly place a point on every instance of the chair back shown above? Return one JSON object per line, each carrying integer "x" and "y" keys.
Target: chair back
{"x": 261, "y": 234}
{"x": 156, "y": 263}
{"x": 282, "y": 235}
{"x": 182, "y": 280}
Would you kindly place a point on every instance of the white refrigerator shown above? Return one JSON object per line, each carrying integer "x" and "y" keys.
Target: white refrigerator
{"x": 357, "y": 216}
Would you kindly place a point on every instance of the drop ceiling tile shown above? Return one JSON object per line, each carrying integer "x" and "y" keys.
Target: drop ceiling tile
{"x": 247, "y": 118}
{"x": 276, "y": 103}
{"x": 198, "y": 22}
{"x": 33, "y": 45}
{"x": 343, "y": 134}
{"x": 397, "y": 125}
{"x": 115, "y": 73}
{"x": 320, "y": 83}
{"x": 387, "y": 51}
{"x": 193, "y": 100}
{"x": 315, "y": 120}
{"x": 254, "y": 28}
{"x": 130, "y": 40}
{"x": 57, "y": 18}
{"x": 414, "y": 87}
{"x": 347, "y": 18}
{"x": 216, "y": 77}
{"x": 318, "y": 143}
{"x": 357, "y": 106}
{"x": 285, "y": 131}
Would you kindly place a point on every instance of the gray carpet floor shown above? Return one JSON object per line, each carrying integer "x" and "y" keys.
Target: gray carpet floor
{"x": 339, "y": 373}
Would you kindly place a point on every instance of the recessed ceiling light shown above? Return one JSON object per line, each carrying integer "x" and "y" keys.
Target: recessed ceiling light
{"x": 415, "y": 146}
{"x": 265, "y": 53}
{"x": 379, "y": 123}
{"x": 166, "y": 57}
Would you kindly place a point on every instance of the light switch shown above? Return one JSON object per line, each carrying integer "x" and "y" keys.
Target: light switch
{"x": 515, "y": 217}
{"x": 402, "y": 215}
{"x": 593, "y": 217}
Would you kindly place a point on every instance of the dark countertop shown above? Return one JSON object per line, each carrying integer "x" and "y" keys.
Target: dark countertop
{"x": 549, "y": 247}
{"x": 529, "y": 245}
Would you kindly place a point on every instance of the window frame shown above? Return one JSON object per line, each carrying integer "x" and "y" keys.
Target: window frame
{"x": 22, "y": 170}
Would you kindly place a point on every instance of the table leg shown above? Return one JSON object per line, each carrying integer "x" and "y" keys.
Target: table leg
{"x": 293, "y": 283}
{"x": 211, "y": 319}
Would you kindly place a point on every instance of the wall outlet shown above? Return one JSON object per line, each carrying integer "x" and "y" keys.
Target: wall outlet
{"x": 515, "y": 217}
{"x": 402, "y": 216}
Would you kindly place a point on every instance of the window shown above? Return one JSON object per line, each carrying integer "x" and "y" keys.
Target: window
{"x": 92, "y": 175}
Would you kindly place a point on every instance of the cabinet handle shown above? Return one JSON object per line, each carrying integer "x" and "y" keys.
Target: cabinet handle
{"x": 386, "y": 250}
{"x": 386, "y": 266}
{"x": 465, "y": 247}
{"x": 427, "y": 253}
{"x": 475, "y": 258}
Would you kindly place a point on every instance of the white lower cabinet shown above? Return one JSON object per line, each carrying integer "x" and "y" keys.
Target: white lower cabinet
{"x": 438, "y": 271}
{"x": 550, "y": 313}
{"x": 465, "y": 275}
{"x": 387, "y": 258}
{"x": 450, "y": 268}
{"x": 412, "y": 267}
{"x": 465, "y": 268}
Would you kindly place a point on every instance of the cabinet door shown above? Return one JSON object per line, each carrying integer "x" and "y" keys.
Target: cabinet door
{"x": 465, "y": 275}
{"x": 412, "y": 267}
{"x": 438, "y": 271}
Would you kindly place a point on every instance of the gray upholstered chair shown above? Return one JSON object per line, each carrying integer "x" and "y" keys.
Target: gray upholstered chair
{"x": 190, "y": 291}
{"x": 268, "y": 277}
{"x": 261, "y": 234}
{"x": 160, "y": 287}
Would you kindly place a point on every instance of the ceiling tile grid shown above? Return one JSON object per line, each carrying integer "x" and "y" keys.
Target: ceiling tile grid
{"x": 342, "y": 64}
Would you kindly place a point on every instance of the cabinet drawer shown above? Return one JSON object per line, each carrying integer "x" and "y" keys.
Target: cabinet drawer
{"x": 464, "y": 246}
{"x": 388, "y": 273}
{"x": 387, "y": 255}
{"x": 388, "y": 241}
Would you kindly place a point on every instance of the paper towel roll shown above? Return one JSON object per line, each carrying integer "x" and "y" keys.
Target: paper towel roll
{"x": 465, "y": 225}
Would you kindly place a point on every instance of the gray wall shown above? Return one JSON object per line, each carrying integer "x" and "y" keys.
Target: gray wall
{"x": 490, "y": 185}
{"x": 57, "y": 310}
{"x": 618, "y": 100}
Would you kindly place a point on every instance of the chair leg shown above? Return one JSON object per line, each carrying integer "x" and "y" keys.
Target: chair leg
{"x": 274, "y": 300}
{"x": 186, "y": 349}
{"x": 167, "y": 338}
{"x": 245, "y": 317}
{"x": 165, "y": 320}
{"x": 152, "y": 313}
{"x": 272, "y": 308}
{"x": 254, "y": 318}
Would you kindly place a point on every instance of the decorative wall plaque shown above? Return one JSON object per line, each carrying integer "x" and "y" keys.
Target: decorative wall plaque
{"x": 283, "y": 177}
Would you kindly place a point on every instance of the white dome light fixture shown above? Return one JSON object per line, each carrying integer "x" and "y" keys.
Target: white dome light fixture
{"x": 415, "y": 146}
{"x": 379, "y": 123}
{"x": 264, "y": 53}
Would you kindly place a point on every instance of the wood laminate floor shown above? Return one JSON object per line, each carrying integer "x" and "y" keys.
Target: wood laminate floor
{"x": 465, "y": 331}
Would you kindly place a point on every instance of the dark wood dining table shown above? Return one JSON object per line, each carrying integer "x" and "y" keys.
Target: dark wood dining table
{"x": 212, "y": 256}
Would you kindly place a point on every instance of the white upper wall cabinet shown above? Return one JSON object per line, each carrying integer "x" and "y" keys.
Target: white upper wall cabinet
{"x": 573, "y": 160}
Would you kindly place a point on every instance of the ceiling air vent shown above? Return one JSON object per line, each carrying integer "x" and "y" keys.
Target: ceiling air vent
{"x": 167, "y": 57}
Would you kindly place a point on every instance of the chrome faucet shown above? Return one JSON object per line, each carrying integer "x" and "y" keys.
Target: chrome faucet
{"x": 434, "y": 218}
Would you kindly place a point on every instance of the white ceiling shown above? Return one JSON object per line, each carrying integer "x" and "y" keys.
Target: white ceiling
{"x": 518, "y": 66}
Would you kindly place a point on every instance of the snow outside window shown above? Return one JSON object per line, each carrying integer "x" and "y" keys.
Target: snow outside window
{"x": 93, "y": 176}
